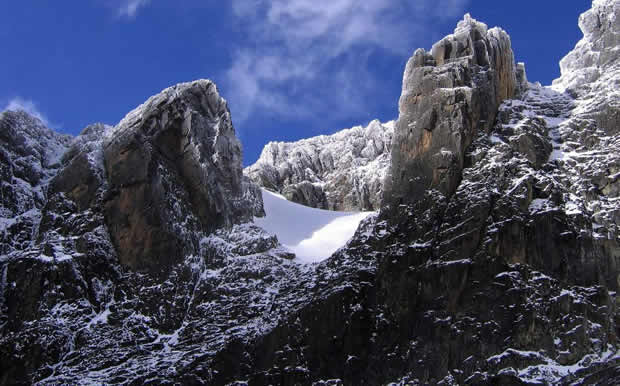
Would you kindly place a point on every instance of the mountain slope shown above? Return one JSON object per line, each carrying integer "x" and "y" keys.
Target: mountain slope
{"x": 500, "y": 274}
{"x": 343, "y": 171}
{"x": 493, "y": 259}
{"x": 311, "y": 234}
{"x": 122, "y": 246}
{"x": 30, "y": 155}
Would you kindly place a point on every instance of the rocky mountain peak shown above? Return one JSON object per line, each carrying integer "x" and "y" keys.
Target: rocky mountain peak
{"x": 449, "y": 95}
{"x": 29, "y": 137}
{"x": 595, "y": 54}
{"x": 173, "y": 168}
{"x": 469, "y": 24}
{"x": 188, "y": 120}
{"x": 343, "y": 171}
{"x": 493, "y": 261}
{"x": 30, "y": 155}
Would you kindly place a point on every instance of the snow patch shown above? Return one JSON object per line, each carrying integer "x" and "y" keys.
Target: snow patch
{"x": 312, "y": 234}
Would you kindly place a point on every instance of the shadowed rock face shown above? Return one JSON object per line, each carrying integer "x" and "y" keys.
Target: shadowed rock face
{"x": 504, "y": 245}
{"x": 175, "y": 158}
{"x": 83, "y": 175}
{"x": 167, "y": 173}
{"x": 29, "y": 156}
{"x": 448, "y": 96}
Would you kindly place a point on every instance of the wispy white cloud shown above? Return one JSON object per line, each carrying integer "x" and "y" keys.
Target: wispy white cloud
{"x": 129, "y": 8}
{"x": 29, "y": 106}
{"x": 307, "y": 57}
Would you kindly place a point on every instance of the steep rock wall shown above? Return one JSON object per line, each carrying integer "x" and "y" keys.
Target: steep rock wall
{"x": 173, "y": 162}
{"x": 449, "y": 95}
{"x": 343, "y": 171}
{"x": 29, "y": 157}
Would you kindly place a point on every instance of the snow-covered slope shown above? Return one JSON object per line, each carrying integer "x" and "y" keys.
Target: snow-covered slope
{"x": 312, "y": 234}
{"x": 343, "y": 171}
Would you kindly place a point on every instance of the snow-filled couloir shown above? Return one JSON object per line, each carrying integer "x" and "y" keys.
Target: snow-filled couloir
{"x": 312, "y": 234}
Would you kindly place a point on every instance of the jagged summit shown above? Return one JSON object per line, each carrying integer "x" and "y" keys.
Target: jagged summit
{"x": 449, "y": 95}
{"x": 494, "y": 259}
{"x": 182, "y": 138}
{"x": 30, "y": 155}
{"x": 343, "y": 171}
{"x": 468, "y": 23}
{"x": 597, "y": 53}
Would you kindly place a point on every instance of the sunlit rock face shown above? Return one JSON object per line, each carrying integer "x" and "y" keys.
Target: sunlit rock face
{"x": 597, "y": 52}
{"x": 343, "y": 171}
{"x": 449, "y": 95}
{"x": 130, "y": 254}
{"x": 497, "y": 245}
{"x": 590, "y": 71}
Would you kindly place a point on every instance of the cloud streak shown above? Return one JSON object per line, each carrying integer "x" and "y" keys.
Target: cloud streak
{"x": 29, "y": 106}
{"x": 129, "y": 8}
{"x": 305, "y": 57}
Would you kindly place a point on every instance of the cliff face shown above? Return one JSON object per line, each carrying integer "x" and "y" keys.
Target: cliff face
{"x": 113, "y": 214}
{"x": 30, "y": 155}
{"x": 174, "y": 170}
{"x": 493, "y": 261}
{"x": 449, "y": 95}
{"x": 343, "y": 171}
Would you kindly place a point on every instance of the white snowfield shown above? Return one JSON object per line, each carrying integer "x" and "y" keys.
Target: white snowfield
{"x": 311, "y": 234}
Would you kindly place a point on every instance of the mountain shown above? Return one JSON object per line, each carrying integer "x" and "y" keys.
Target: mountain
{"x": 492, "y": 258}
{"x": 30, "y": 154}
{"x": 343, "y": 171}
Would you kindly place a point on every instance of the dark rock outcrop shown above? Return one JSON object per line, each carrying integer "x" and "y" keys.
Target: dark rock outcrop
{"x": 343, "y": 171}
{"x": 498, "y": 266}
{"x": 147, "y": 196}
{"x": 173, "y": 168}
{"x": 30, "y": 155}
{"x": 503, "y": 270}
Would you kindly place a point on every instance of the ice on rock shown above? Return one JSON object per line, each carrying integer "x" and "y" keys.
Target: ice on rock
{"x": 343, "y": 171}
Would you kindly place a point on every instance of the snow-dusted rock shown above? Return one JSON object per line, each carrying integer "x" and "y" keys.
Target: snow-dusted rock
{"x": 510, "y": 277}
{"x": 597, "y": 51}
{"x": 590, "y": 71}
{"x": 449, "y": 95}
{"x": 343, "y": 171}
{"x": 30, "y": 155}
{"x": 154, "y": 173}
{"x": 174, "y": 170}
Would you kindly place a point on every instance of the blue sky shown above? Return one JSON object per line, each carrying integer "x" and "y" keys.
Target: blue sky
{"x": 290, "y": 69}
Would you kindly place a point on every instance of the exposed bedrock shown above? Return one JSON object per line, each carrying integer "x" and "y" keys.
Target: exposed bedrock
{"x": 169, "y": 172}
{"x": 172, "y": 159}
{"x": 343, "y": 171}
{"x": 590, "y": 71}
{"x": 29, "y": 156}
{"x": 449, "y": 95}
